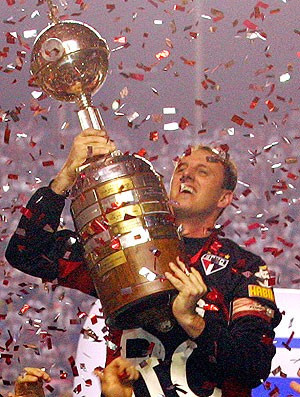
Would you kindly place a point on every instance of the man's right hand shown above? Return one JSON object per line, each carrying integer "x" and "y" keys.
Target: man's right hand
{"x": 117, "y": 378}
{"x": 88, "y": 143}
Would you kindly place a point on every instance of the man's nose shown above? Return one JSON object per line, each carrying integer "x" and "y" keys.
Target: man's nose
{"x": 187, "y": 176}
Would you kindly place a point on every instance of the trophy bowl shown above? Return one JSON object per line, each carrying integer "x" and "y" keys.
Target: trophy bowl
{"x": 69, "y": 61}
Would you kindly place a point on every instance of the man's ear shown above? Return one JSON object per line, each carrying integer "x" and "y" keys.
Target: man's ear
{"x": 225, "y": 199}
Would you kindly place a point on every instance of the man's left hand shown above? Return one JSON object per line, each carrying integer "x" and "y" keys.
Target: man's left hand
{"x": 191, "y": 288}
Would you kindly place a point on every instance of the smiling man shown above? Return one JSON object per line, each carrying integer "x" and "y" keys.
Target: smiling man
{"x": 222, "y": 340}
{"x": 201, "y": 188}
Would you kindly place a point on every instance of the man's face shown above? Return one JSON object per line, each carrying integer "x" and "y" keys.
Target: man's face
{"x": 196, "y": 186}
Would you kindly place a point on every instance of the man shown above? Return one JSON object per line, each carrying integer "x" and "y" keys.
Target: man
{"x": 222, "y": 342}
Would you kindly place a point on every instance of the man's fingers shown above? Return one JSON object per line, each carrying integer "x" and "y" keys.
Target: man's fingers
{"x": 181, "y": 272}
{"x": 91, "y": 131}
{"x": 28, "y": 378}
{"x": 186, "y": 281}
{"x": 32, "y": 374}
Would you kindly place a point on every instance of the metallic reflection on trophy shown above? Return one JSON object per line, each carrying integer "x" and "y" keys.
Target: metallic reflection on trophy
{"x": 70, "y": 62}
{"x": 119, "y": 204}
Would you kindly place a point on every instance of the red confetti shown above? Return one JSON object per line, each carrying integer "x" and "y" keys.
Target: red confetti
{"x": 262, "y": 5}
{"x": 210, "y": 307}
{"x": 274, "y": 251}
{"x": 271, "y": 106}
{"x": 120, "y": 39}
{"x": 246, "y": 192}
{"x": 136, "y": 76}
{"x": 286, "y": 243}
{"x": 81, "y": 314}
{"x": 94, "y": 319}
{"x": 218, "y": 15}
{"x": 165, "y": 139}
{"x": 13, "y": 176}
{"x": 237, "y": 119}
{"x": 183, "y": 123}
{"x": 253, "y": 226}
{"x": 63, "y": 374}
{"x": 288, "y": 342}
{"x": 26, "y": 212}
{"x": 292, "y": 176}
{"x": 97, "y": 226}
{"x": 49, "y": 343}
{"x": 198, "y": 102}
{"x": 276, "y": 11}
{"x": 7, "y": 134}
{"x": 24, "y": 309}
{"x": 110, "y": 7}
{"x": 115, "y": 244}
{"x": 73, "y": 366}
{"x": 10, "y": 39}
{"x": 142, "y": 152}
{"x": 254, "y": 103}
{"x": 77, "y": 389}
{"x": 50, "y": 388}
{"x": 188, "y": 62}
{"x": 178, "y": 8}
{"x": 48, "y": 163}
{"x": 249, "y": 242}
{"x": 249, "y": 25}
{"x": 9, "y": 341}
{"x": 154, "y": 136}
{"x": 274, "y": 392}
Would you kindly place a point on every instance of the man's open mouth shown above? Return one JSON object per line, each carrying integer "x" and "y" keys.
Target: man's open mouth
{"x": 185, "y": 188}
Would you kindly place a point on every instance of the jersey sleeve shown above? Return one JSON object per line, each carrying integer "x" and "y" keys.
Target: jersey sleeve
{"x": 38, "y": 249}
{"x": 242, "y": 347}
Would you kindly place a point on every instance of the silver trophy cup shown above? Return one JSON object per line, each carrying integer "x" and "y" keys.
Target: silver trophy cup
{"x": 119, "y": 204}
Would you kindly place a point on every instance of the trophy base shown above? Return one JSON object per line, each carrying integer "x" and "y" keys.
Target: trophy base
{"x": 152, "y": 312}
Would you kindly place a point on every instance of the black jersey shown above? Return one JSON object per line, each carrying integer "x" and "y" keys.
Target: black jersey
{"x": 234, "y": 352}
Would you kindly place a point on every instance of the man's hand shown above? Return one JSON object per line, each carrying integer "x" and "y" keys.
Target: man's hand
{"x": 88, "y": 143}
{"x": 191, "y": 288}
{"x": 31, "y": 383}
{"x": 117, "y": 378}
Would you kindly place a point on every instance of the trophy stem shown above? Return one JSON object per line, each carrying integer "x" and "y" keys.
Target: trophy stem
{"x": 89, "y": 116}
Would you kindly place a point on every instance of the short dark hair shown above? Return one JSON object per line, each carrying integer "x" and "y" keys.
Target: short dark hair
{"x": 220, "y": 154}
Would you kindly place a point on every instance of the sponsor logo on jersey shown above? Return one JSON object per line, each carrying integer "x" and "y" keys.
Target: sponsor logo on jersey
{"x": 213, "y": 263}
{"x": 256, "y": 291}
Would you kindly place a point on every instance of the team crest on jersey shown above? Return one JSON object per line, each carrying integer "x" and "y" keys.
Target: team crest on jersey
{"x": 213, "y": 263}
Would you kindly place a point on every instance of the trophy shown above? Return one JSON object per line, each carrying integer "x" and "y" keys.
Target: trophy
{"x": 119, "y": 204}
